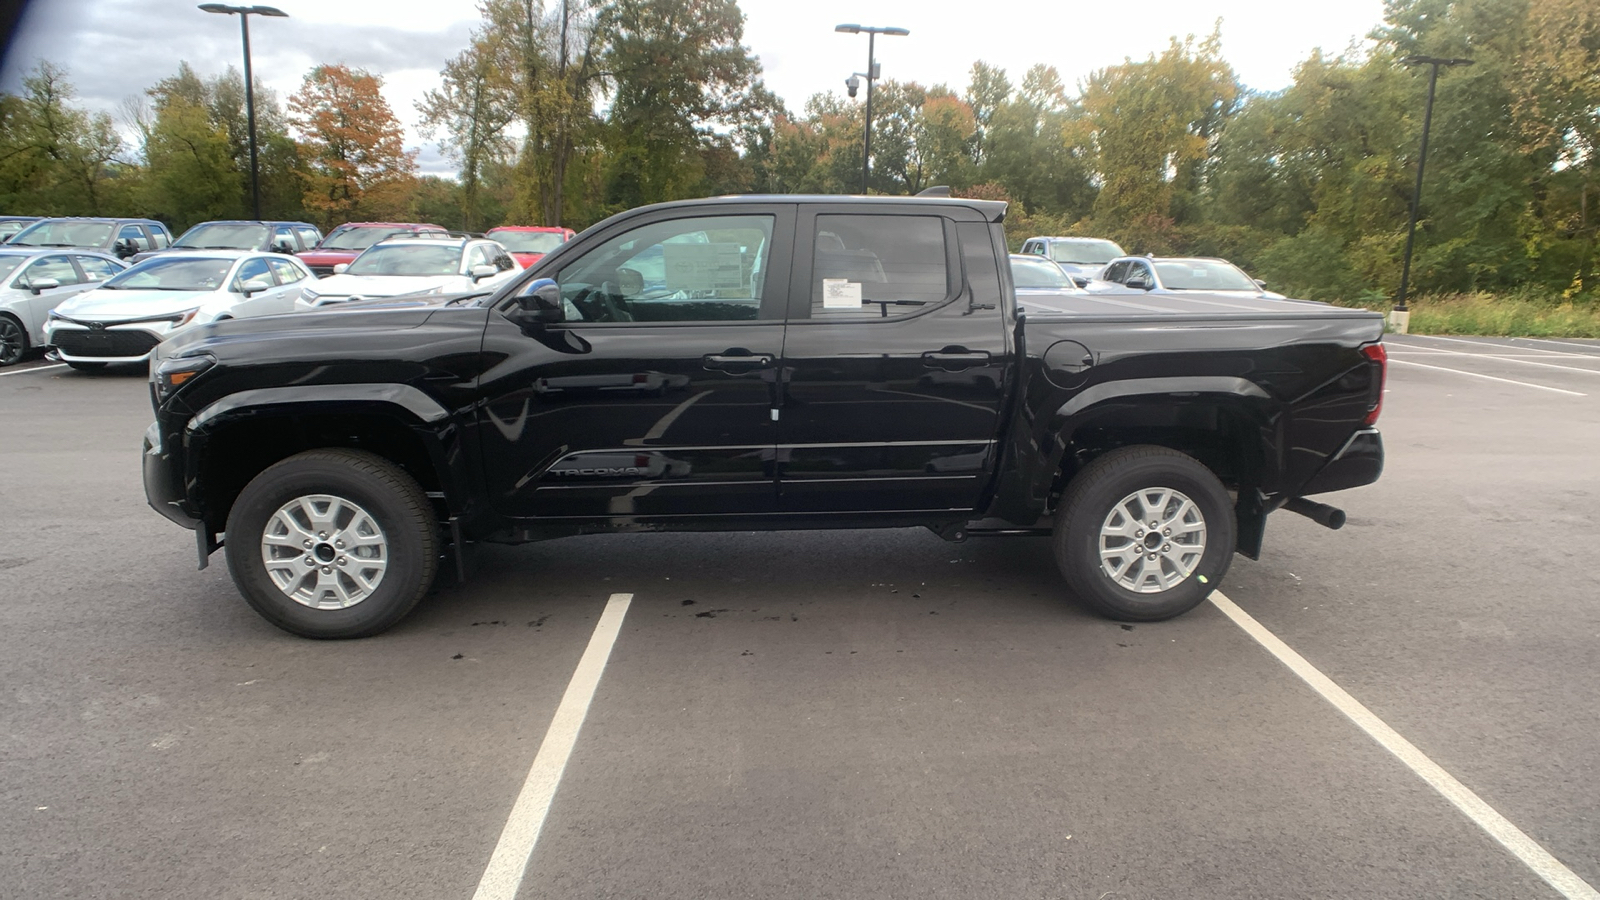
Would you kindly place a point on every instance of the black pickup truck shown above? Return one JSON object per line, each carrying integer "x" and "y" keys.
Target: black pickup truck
{"x": 745, "y": 363}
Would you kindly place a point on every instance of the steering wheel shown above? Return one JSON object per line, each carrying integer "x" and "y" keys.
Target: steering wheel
{"x": 599, "y": 300}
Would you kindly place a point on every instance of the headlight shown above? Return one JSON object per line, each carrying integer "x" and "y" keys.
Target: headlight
{"x": 173, "y": 373}
{"x": 183, "y": 318}
{"x": 309, "y": 296}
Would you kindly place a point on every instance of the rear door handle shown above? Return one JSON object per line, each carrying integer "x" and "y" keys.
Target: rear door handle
{"x": 954, "y": 358}
{"x": 737, "y": 361}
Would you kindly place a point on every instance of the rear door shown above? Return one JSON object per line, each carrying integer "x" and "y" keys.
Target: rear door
{"x": 896, "y": 361}
{"x": 655, "y": 397}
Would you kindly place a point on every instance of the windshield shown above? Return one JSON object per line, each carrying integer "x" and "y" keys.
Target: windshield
{"x": 528, "y": 241}
{"x": 1203, "y": 275}
{"x": 165, "y": 273}
{"x": 1089, "y": 253}
{"x": 64, "y": 234}
{"x": 8, "y": 264}
{"x": 224, "y": 236}
{"x": 357, "y": 238}
{"x": 1039, "y": 274}
{"x": 408, "y": 259}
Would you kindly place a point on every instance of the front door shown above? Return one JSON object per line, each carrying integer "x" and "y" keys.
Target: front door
{"x": 655, "y": 397}
{"x": 896, "y": 361}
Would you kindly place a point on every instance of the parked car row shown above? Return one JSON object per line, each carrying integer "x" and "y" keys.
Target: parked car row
{"x": 98, "y": 291}
{"x": 1100, "y": 267}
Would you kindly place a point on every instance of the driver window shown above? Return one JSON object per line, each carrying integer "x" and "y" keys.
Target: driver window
{"x": 253, "y": 276}
{"x": 704, "y": 269}
{"x": 134, "y": 235}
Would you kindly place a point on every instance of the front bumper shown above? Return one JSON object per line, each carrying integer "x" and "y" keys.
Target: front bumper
{"x": 161, "y": 486}
{"x": 112, "y": 344}
{"x": 1358, "y": 462}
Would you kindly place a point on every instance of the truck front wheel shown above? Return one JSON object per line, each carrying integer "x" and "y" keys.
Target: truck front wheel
{"x": 332, "y": 544}
{"x": 1144, "y": 533}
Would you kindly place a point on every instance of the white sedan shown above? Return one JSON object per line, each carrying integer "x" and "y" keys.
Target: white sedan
{"x": 123, "y": 319}
{"x": 413, "y": 266}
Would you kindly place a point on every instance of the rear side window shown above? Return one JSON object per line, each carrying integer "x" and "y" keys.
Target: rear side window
{"x": 878, "y": 265}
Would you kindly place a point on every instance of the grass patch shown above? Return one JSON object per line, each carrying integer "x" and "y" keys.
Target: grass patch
{"x": 1501, "y": 315}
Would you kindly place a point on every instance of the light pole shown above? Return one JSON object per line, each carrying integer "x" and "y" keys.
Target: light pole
{"x": 244, "y": 13}
{"x": 1400, "y": 316}
{"x": 871, "y": 75}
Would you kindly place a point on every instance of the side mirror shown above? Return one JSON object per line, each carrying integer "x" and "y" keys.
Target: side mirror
{"x": 1137, "y": 283}
{"x": 123, "y": 249}
{"x": 1259, "y": 283}
{"x": 282, "y": 247}
{"x": 541, "y": 302}
{"x": 43, "y": 284}
{"x": 339, "y": 269}
{"x": 481, "y": 272}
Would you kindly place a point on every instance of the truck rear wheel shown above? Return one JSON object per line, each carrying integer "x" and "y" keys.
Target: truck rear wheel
{"x": 332, "y": 544}
{"x": 1144, "y": 533}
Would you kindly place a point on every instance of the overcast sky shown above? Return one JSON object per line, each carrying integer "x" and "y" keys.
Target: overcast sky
{"x": 115, "y": 48}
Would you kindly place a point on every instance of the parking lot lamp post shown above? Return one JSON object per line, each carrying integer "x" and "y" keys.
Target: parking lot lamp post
{"x": 244, "y": 13}
{"x": 871, "y": 76}
{"x": 1400, "y": 317}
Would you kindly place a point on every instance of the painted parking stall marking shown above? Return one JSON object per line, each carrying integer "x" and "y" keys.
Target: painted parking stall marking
{"x": 1524, "y": 848}
{"x": 503, "y": 876}
{"x": 1528, "y": 384}
{"x": 33, "y": 369}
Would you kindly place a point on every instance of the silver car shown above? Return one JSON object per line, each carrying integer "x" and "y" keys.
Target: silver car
{"x": 35, "y": 281}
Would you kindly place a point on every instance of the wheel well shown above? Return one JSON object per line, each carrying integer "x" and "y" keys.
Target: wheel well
{"x": 238, "y": 452}
{"x": 1220, "y": 436}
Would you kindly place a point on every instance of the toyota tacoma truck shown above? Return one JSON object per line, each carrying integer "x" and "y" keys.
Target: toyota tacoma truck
{"x": 758, "y": 362}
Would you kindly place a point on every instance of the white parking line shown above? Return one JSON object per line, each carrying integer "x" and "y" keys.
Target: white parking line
{"x": 1542, "y": 387}
{"x": 1435, "y": 337}
{"x": 503, "y": 876}
{"x": 1509, "y": 359}
{"x": 1484, "y": 816}
{"x": 34, "y": 369}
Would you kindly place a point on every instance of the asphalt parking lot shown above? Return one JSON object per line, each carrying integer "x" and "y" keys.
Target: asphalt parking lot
{"x": 824, "y": 715}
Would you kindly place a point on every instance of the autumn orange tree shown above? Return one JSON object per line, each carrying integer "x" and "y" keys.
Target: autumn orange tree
{"x": 358, "y": 165}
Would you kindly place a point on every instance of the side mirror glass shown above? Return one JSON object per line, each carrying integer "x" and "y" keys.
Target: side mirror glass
{"x": 481, "y": 272}
{"x": 339, "y": 269}
{"x": 1138, "y": 283}
{"x": 43, "y": 284}
{"x": 541, "y": 302}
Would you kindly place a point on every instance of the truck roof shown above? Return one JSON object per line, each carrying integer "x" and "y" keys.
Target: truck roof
{"x": 992, "y": 210}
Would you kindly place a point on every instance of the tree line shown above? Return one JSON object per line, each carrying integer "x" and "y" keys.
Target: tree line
{"x": 566, "y": 111}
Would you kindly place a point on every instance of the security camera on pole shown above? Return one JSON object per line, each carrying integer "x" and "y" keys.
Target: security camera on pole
{"x": 853, "y": 83}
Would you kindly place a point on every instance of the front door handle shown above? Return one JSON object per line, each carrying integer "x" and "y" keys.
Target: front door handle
{"x": 737, "y": 360}
{"x": 954, "y": 358}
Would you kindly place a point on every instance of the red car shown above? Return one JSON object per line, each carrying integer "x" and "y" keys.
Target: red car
{"x": 528, "y": 243}
{"x": 345, "y": 243}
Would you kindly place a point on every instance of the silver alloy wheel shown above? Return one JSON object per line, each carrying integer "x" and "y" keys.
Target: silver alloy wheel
{"x": 324, "y": 552}
{"x": 1152, "y": 540}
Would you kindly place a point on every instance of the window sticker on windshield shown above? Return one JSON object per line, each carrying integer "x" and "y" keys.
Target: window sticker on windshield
{"x": 703, "y": 267}
{"x": 841, "y": 293}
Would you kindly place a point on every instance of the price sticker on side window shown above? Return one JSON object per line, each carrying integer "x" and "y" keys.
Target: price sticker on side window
{"x": 841, "y": 293}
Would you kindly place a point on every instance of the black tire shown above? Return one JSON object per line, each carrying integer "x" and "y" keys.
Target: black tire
{"x": 384, "y": 491}
{"x": 1088, "y": 505}
{"x": 13, "y": 341}
{"x": 86, "y": 367}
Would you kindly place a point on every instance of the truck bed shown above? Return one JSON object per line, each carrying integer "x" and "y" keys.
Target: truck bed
{"x": 1132, "y": 304}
